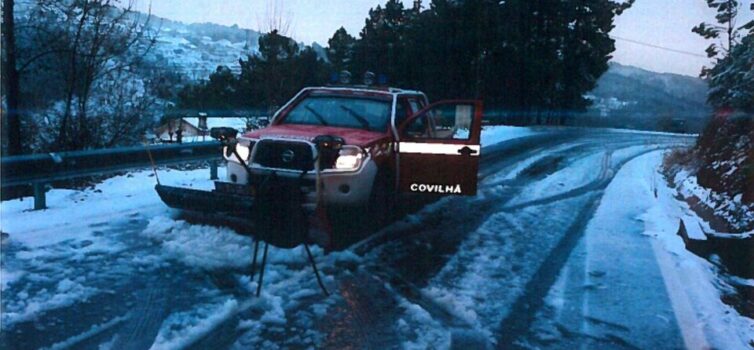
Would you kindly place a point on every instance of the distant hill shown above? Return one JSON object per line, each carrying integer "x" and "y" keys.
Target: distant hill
{"x": 196, "y": 50}
{"x": 645, "y": 98}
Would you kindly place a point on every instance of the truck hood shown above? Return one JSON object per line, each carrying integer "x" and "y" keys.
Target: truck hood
{"x": 356, "y": 137}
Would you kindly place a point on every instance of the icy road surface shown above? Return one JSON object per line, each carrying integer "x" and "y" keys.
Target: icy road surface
{"x": 570, "y": 242}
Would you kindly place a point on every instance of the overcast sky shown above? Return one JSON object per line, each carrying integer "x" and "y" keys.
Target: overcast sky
{"x": 664, "y": 23}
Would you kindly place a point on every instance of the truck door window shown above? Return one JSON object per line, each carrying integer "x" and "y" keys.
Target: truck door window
{"x": 443, "y": 122}
{"x": 419, "y": 128}
{"x": 415, "y": 106}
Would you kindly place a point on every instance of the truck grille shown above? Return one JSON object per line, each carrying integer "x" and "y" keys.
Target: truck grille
{"x": 294, "y": 155}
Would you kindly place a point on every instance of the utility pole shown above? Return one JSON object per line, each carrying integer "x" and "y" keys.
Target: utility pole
{"x": 11, "y": 86}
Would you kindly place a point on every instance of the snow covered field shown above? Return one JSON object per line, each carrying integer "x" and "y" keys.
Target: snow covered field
{"x": 112, "y": 267}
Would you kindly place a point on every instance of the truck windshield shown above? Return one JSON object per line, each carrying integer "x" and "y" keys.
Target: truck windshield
{"x": 340, "y": 111}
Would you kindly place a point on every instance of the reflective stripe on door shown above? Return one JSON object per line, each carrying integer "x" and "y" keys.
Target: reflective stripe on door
{"x": 438, "y": 148}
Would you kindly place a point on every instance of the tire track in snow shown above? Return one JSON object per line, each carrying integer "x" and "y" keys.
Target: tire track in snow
{"x": 390, "y": 267}
{"x": 524, "y": 310}
{"x": 402, "y": 285}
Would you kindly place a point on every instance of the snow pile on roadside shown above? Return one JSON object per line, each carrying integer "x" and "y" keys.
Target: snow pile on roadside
{"x": 730, "y": 208}
{"x": 7, "y": 277}
{"x": 696, "y": 280}
{"x": 187, "y": 243}
{"x": 498, "y": 133}
{"x": 27, "y": 305}
{"x": 430, "y": 333}
{"x": 69, "y": 210}
{"x": 649, "y": 132}
{"x": 718, "y": 171}
{"x": 47, "y": 252}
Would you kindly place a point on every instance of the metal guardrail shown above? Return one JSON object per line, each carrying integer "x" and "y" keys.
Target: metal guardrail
{"x": 39, "y": 170}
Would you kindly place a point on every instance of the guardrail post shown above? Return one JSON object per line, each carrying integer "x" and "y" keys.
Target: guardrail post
{"x": 40, "y": 200}
{"x": 213, "y": 170}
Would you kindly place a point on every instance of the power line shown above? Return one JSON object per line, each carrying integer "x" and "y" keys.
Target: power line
{"x": 655, "y": 46}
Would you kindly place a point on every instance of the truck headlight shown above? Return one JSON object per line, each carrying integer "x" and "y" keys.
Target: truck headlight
{"x": 349, "y": 158}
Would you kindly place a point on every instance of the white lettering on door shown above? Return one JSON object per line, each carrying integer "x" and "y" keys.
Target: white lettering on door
{"x": 443, "y": 189}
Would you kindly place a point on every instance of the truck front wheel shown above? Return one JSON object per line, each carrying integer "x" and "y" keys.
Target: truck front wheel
{"x": 352, "y": 224}
{"x": 381, "y": 206}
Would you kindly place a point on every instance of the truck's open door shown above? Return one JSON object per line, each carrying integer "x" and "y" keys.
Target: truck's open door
{"x": 439, "y": 149}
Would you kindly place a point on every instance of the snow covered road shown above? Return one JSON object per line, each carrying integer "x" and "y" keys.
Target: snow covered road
{"x": 538, "y": 259}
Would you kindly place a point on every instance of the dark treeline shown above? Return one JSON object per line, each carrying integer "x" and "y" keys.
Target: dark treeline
{"x": 525, "y": 56}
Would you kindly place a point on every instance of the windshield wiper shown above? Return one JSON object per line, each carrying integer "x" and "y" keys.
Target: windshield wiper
{"x": 363, "y": 121}
{"x": 319, "y": 117}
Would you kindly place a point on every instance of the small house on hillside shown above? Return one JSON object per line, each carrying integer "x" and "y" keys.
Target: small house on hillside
{"x": 193, "y": 129}
{"x": 177, "y": 130}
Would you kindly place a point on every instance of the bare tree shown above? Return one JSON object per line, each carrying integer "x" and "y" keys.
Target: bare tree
{"x": 11, "y": 80}
{"x": 94, "y": 39}
{"x": 123, "y": 99}
{"x": 276, "y": 18}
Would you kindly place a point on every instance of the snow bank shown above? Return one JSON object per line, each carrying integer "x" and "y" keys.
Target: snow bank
{"x": 692, "y": 280}
{"x": 71, "y": 214}
{"x": 430, "y": 334}
{"x": 187, "y": 243}
{"x": 730, "y": 208}
{"x": 498, "y": 133}
{"x": 27, "y": 304}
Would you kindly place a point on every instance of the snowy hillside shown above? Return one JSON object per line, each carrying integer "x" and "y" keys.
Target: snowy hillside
{"x": 195, "y": 50}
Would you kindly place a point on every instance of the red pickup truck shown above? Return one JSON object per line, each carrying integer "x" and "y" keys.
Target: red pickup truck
{"x": 339, "y": 159}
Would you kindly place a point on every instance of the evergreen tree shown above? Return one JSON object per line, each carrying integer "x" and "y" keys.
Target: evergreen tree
{"x": 586, "y": 50}
{"x": 725, "y": 29}
{"x": 340, "y": 50}
{"x": 526, "y": 56}
{"x": 731, "y": 80}
{"x": 273, "y": 67}
{"x": 266, "y": 81}
{"x": 381, "y": 44}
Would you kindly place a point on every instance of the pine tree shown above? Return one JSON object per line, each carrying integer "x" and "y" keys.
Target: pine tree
{"x": 381, "y": 44}
{"x": 725, "y": 29}
{"x": 731, "y": 80}
{"x": 340, "y": 50}
{"x": 587, "y": 49}
{"x": 265, "y": 82}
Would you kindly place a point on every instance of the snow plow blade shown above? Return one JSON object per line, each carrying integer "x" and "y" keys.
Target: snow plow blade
{"x": 210, "y": 202}
{"x": 274, "y": 214}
